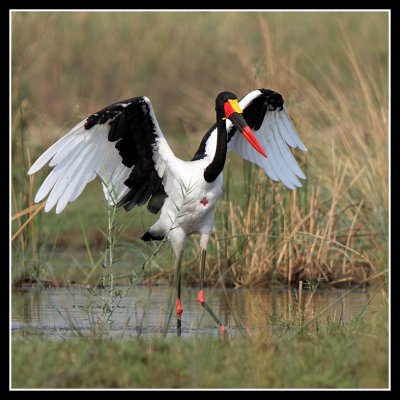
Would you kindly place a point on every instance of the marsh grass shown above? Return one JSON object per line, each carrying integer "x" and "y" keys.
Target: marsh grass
{"x": 28, "y": 238}
{"x": 333, "y": 230}
{"x": 286, "y": 236}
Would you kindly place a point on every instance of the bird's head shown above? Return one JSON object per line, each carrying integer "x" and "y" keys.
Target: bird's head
{"x": 227, "y": 107}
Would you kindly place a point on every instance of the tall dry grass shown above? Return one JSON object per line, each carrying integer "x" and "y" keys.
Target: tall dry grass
{"x": 330, "y": 67}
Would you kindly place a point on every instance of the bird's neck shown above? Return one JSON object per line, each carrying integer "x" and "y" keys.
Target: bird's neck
{"x": 217, "y": 164}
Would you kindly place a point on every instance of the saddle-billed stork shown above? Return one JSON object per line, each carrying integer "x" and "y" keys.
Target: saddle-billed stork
{"x": 124, "y": 146}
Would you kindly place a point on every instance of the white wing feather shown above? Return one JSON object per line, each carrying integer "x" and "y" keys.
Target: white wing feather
{"x": 82, "y": 155}
{"x": 78, "y": 158}
{"x": 275, "y": 135}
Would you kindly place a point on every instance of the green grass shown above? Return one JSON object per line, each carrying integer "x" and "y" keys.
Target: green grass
{"x": 328, "y": 354}
{"x": 331, "y": 68}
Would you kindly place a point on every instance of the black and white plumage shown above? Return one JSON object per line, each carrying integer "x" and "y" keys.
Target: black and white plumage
{"x": 124, "y": 146}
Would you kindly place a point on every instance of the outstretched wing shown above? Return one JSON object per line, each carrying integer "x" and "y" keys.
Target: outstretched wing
{"x": 122, "y": 144}
{"x": 267, "y": 116}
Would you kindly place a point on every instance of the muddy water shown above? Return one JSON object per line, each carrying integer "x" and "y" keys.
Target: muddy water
{"x": 147, "y": 311}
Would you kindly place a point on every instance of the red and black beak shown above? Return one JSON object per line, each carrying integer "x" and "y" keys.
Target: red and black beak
{"x": 234, "y": 114}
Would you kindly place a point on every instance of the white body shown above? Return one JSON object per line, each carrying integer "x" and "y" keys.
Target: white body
{"x": 192, "y": 211}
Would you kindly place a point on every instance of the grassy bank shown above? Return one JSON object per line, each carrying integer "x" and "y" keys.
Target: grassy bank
{"x": 328, "y": 353}
{"x": 331, "y": 68}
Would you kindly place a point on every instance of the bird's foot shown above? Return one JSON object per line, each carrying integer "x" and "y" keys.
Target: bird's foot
{"x": 200, "y": 297}
{"x": 179, "y": 308}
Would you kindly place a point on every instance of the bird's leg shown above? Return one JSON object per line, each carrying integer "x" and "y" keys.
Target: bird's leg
{"x": 200, "y": 297}
{"x": 178, "y": 305}
{"x": 177, "y": 237}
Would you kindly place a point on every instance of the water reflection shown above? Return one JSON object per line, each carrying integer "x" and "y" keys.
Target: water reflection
{"x": 148, "y": 311}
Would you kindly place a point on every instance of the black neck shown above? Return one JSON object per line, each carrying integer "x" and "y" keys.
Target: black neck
{"x": 217, "y": 164}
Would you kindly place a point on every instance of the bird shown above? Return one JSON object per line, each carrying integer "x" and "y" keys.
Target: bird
{"x": 124, "y": 146}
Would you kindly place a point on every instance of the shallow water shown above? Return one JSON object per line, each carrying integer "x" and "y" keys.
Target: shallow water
{"x": 144, "y": 311}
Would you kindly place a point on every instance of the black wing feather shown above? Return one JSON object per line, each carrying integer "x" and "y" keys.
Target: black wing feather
{"x": 134, "y": 131}
{"x": 255, "y": 111}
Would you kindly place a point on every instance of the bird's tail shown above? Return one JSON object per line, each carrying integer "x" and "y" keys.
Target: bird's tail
{"x": 151, "y": 236}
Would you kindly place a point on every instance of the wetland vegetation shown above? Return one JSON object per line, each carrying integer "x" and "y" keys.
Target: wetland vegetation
{"x": 332, "y": 70}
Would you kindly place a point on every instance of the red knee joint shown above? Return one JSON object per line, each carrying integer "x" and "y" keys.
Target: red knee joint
{"x": 200, "y": 297}
{"x": 179, "y": 308}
